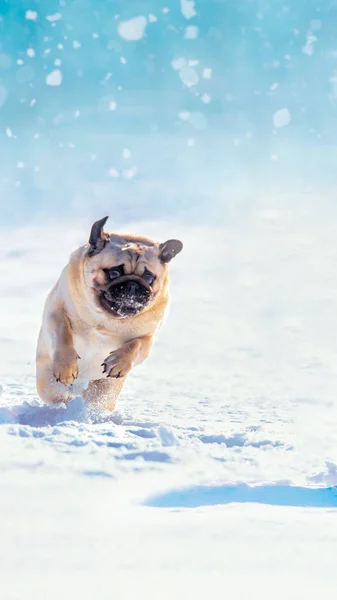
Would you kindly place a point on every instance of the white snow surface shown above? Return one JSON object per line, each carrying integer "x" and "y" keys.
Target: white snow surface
{"x": 217, "y": 470}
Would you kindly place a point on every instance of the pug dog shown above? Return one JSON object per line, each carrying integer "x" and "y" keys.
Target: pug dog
{"x": 102, "y": 316}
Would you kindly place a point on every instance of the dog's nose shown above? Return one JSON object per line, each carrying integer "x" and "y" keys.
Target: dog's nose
{"x": 132, "y": 287}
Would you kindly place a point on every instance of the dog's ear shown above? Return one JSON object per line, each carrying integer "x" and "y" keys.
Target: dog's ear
{"x": 169, "y": 250}
{"x": 98, "y": 237}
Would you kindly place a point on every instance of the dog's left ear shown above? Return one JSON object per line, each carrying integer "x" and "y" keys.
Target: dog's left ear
{"x": 98, "y": 237}
{"x": 169, "y": 250}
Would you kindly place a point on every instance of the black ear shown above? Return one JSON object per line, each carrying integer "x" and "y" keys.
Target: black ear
{"x": 169, "y": 250}
{"x": 98, "y": 237}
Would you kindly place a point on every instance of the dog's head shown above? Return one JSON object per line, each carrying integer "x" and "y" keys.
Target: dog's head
{"x": 126, "y": 273}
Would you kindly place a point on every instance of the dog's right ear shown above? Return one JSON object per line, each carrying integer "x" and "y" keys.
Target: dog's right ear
{"x": 98, "y": 237}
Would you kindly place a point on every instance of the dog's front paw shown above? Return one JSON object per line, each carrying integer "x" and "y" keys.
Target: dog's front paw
{"x": 65, "y": 367}
{"x": 118, "y": 364}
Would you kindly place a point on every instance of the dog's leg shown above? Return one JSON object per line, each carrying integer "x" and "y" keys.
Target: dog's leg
{"x": 120, "y": 362}
{"x": 56, "y": 371}
{"x": 65, "y": 368}
{"x": 50, "y": 390}
{"x": 104, "y": 392}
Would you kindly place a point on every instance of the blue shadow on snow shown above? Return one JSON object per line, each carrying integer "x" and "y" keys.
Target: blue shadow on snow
{"x": 276, "y": 495}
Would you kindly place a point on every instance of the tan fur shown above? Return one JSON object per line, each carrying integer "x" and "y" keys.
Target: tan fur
{"x": 79, "y": 338}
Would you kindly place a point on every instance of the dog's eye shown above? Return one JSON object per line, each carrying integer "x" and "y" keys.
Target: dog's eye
{"x": 148, "y": 277}
{"x": 114, "y": 273}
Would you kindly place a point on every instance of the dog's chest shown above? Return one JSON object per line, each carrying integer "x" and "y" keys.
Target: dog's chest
{"x": 93, "y": 348}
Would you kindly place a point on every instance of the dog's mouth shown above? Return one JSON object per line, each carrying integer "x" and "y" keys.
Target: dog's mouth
{"x": 126, "y": 297}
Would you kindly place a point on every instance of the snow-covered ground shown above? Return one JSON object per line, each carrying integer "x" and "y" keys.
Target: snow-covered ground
{"x": 160, "y": 500}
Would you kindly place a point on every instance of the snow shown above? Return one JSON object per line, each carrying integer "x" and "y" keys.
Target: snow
{"x": 126, "y": 153}
{"x": 217, "y": 473}
{"x": 54, "y": 78}
{"x": 220, "y": 459}
{"x": 206, "y": 98}
{"x": 309, "y": 46}
{"x": 114, "y": 172}
{"x": 178, "y": 63}
{"x": 191, "y": 32}
{"x": 30, "y": 52}
{"x": 133, "y": 29}
{"x": 195, "y": 118}
{"x": 130, "y": 173}
{"x": 188, "y": 76}
{"x": 207, "y": 73}
{"x": 31, "y": 15}
{"x": 188, "y": 8}
{"x": 281, "y": 118}
{"x": 54, "y": 17}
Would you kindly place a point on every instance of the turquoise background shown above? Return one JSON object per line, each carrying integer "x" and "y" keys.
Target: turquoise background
{"x": 61, "y": 147}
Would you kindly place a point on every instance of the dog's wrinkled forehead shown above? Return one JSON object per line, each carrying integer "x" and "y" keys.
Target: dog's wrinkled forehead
{"x": 132, "y": 254}
{"x": 138, "y": 248}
